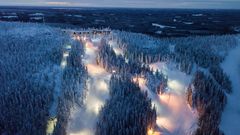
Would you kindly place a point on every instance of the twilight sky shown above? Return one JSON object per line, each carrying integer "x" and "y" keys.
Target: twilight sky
{"x": 227, "y": 4}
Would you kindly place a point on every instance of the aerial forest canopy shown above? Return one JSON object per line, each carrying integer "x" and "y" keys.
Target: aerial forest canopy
{"x": 57, "y": 81}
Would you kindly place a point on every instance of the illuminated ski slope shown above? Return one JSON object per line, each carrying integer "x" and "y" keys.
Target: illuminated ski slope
{"x": 174, "y": 116}
{"x": 83, "y": 120}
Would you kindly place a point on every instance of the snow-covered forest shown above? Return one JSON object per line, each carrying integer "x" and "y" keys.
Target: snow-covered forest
{"x": 38, "y": 88}
{"x": 99, "y": 81}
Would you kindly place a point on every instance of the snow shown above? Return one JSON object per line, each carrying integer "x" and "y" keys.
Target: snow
{"x": 158, "y": 32}
{"x": 231, "y": 114}
{"x": 197, "y": 15}
{"x": 56, "y": 93}
{"x": 36, "y": 18}
{"x": 10, "y": 16}
{"x": 174, "y": 116}
{"x": 188, "y": 23}
{"x": 116, "y": 49}
{"x": 30, "y": 30}
{"x": 36, "y": 14}
{"x": 237, "y": 29}
{"x": 172, "y": 48}
{"x": 162, "y": 26}
{"x": 99, "y": 20}
{"x": 83, "y": 120}
{"x": 79, "y": 16}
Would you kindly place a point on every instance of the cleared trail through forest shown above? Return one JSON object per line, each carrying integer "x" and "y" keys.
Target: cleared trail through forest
{"x": 83, "y": 120}
{"x": 174, "y": 116}
{"x": 231, "y": 115}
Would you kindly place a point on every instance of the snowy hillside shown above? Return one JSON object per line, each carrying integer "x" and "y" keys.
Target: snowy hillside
{"x": 107, "y": 82}
{"x": 231, "y": 114}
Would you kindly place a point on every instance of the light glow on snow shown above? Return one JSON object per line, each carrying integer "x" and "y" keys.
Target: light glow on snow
{"x": 141, "y": 81}
{"x": 116, "y": 49}
{"x": 83, "y": 132}
{"x": 82, "y": 121}
{"x": 102, "y": 85}
{"x": 173, "y": 113}
{"x": 95, "y": 70}
{"x": 94, "y": 104}
{"x": 63, "y": 64}
{"x": 167, "y": 123}
{"x": 65, "y": 54}
{"x": 176, "y": 85}
{"x": 150, "y": 132}
{"x": 51, "y": 125}
{"x": 69, "y": 47}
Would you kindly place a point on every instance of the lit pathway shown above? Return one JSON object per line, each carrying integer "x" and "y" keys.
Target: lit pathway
{"x": 83, "y": 121}
{"x": 174, "y": 116}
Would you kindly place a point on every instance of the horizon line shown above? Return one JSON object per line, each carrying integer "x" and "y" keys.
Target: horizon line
{"x": 118, "y": 7}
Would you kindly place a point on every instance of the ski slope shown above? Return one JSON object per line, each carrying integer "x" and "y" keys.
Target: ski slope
{"x": 231, "y": 114}
{"x": 83, "y": 120}
{"x": 174, "y": 116}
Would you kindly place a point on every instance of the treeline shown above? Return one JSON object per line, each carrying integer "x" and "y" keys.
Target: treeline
{"x": 111, "y": 62}
{"x": 209, "y": 99}
{"x": 73, "y": 84}
{"x": 127, "y": 112}
{"x": 107, "y": 58}
{"x": 185, "y": 52}
{"x": 157, "y": 82}
{"x": 221, "y": 78}
{"x": 142, "y": 48}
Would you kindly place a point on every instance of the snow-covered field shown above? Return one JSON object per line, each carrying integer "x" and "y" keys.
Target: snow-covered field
{"x": 231, "y": 115}
{"x": 83, "y": 120}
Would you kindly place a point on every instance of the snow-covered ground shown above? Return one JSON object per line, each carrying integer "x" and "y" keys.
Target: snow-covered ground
{"x": 158, "y": 32}
{"x": 36, "y": 14}
{"x": 162, "y": 26}
{"x": 231, "y": 115}
{"x": 36, "y": 18}
{"x": 188, "y": 23}
{"x": 83, "y": 120}
{"x": 174, "y": 116}
{"x": 10, "y": 16}
{"x": 116, "y": 49}
{"x": 197, "y": 15}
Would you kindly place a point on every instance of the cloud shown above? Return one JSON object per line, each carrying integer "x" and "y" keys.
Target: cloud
{"x": 229, "y": 4}
{"x": 58, "y": 3}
